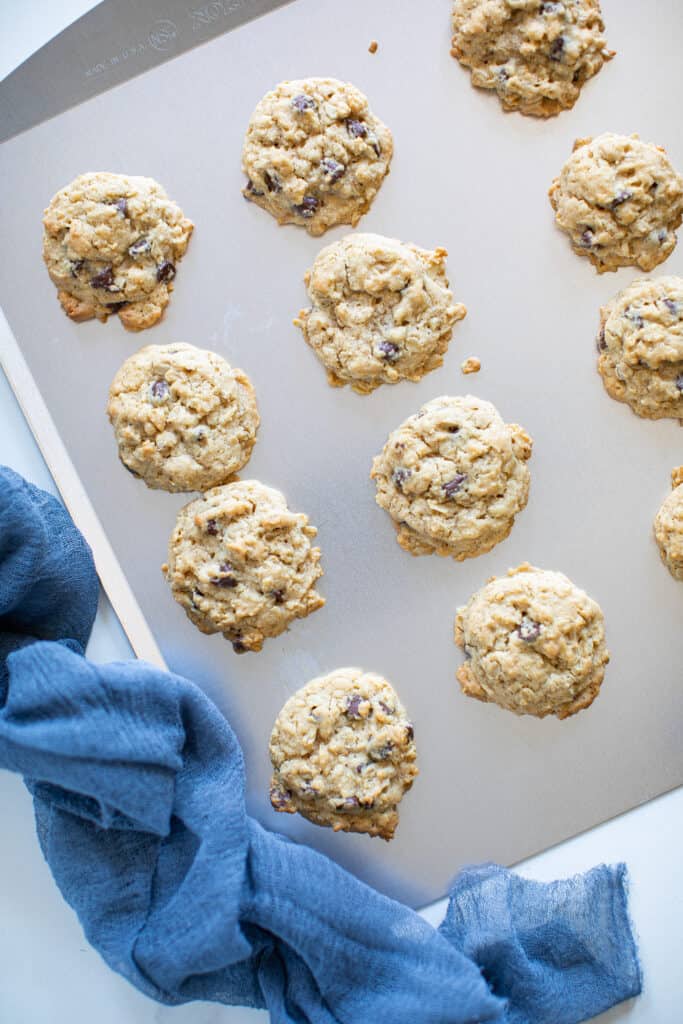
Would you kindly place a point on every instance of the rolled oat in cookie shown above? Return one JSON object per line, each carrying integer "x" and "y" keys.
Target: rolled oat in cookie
{"x": 381, "y": 311}
{"x": 183, "y": 418}
{"x": 620, "y": 201}
{"x": 668, "y": 527}
{"x": 535, "y": 54}
{"x": 534, "y": 644}
{"x": 314, "y": 154}
{"x": 640, "y": 347}
{"x": 343, "y": 753}
{"x": 241, "y": 564}
{"x": 453, "y": 477}
{"x": 112, "y": 244}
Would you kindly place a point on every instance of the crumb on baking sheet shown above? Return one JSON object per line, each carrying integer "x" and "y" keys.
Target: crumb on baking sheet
{"x": 471, "y": 365}
{"x": 373, "y": 47}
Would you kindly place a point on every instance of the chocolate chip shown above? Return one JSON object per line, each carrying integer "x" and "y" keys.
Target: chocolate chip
{"x": 75, "y": 266}
{"x": 385, "y": 708}
{"x": 679, "y": 382}
{"x": 272, "y": 181}
{"x": 528, "y": 630}
{"x": 351, "y": 801}
{"x": 303, "y": 102}
{"x": 662, "y": 235}
{"x": 382, "y": 753}
{"x": 356, "y": 129}
{"x": 587, "y": 238}
{"x": 353, "y": 706}
{"x": 122, "y": 206}
{"x": 212, "y": 527}
{"x": 278, "y": 596}
{"x": 251, "y": 188}
{"x": 140, "y": 247}
{"x": 635, "y": 318}
{"x": 557, "y": 49}
{"x": 622, "y": 196}
{"x": 388, "y": 350}
{"x": 307, "y": 207}
{"x": 278, "y": 797}
{"x": 238, "y": 647}
{"x": 159, "y": 390}
{"x": 672, "y": 306}
{"x": 503, "y": 74}
{"x": 115, "y": 307}
{"x": 105, "y": 280}
{"x": 452, "y": 487}
{"x": 225, "y": 578}
{"x": 410, "y": 731}
{"x": 333, "y": 168}
{"x": 601, "y": 343}
{"x": 165, "y": 271}
{"x": 399, "y": 476}
{"x": 452, "y": 428}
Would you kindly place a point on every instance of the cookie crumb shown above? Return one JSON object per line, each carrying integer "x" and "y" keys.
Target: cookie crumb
{"x": 373, "y": 47}
{"x": 471, "y": 365}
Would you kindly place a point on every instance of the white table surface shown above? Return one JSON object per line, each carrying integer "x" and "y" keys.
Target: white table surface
{"x": 48, "y": 973}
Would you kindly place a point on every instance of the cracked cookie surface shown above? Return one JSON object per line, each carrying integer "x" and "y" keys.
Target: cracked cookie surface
{"x": 112, "y": 244}
{"x": 381, "y": 311}
{"x": 534, "y": 643}
{"x": 183, "y": 418}
{"x": 453, "y": 477}
{"x": 535, "y": 55}
{"x": 668, "y": 527}
{"x": 241, "y": 564}
{"x": 620, "y": 201}
{"x": 343, "y": 753}
{"x": 640, "y": 347}
{"x": 314, "y": 154}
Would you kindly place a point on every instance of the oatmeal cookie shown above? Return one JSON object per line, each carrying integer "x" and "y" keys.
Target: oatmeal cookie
{"x": 241, "y": 564}
{"x": 112, "y": 244}
{"x": 534, "y": 644}
{"x": 343, "y": 753}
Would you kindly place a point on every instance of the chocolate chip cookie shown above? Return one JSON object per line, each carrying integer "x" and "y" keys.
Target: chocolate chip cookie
{"x": 183, "y": 418}
{"x": 241, "y": 564}
{"x": 668, "y": 527}
{"x": 112, "y": 244}
{"x": 343, "y": 753}
{"x": 620, "y": 201}
{"x": 314, "y": 154}
{"x": 640, "y": 347}
{"x": 534, "y": 644}
{"x": 381, "y": 311}
{"x": 453, "y": 477}
{"x": 535, "y": 55}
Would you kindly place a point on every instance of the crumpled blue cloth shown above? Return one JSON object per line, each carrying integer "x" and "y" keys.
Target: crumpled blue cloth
{"x": 138, "y": 785}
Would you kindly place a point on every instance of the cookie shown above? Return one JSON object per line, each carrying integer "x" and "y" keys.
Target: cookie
{"x": 535, "y": 55}
{"x": 668, "y": 527}
{"x": 640, "y": 347}
{"x": 453, "y": 477}
{"x": 343, "y": 753}
{"x": 381, "y": 311}
{"x": 241, "y": 564}
{"x": 183, "y": 419}
{"x": 620, "y": 201}
{"x": 112, "y": 244}
{"x": 314, "y": 154}
{"x": 534, "y": 644}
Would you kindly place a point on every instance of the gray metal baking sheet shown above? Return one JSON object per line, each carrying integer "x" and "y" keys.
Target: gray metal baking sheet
{"x": 467, "y": 177}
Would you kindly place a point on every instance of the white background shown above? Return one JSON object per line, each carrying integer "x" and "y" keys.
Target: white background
{"x": 48, "y": 975}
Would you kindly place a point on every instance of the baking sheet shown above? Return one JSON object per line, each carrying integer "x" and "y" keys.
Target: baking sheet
{"x": 469, "y": 178}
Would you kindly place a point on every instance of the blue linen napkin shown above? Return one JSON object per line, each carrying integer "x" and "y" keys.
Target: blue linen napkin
{"x": 138, "y": 786}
